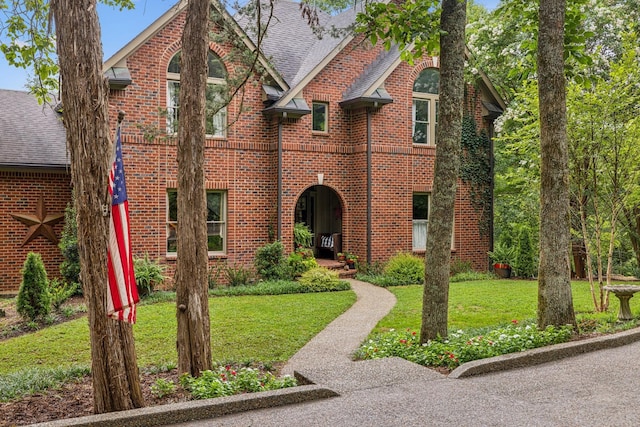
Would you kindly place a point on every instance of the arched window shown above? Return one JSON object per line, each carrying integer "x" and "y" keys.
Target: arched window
{"x": 425, "y": 106}
{"x": 216, "y": 112}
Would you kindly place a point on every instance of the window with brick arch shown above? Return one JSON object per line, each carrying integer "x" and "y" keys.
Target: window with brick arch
{"x": 215, "y": 110}
{"x": 424, "y": 113}
{"x": 216, "y": 221}
{"x": 420, "y": 220}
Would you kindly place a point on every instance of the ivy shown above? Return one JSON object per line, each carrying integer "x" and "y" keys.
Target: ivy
{"x": 475, "y": 170}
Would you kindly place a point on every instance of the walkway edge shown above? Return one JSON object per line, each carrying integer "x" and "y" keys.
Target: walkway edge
{"x": 197, "y": 409}
{"x": 541, "y": 355}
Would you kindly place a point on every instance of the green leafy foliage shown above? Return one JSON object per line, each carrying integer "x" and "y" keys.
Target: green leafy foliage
{"x": 228, "y": 381}
{"x": 60, "y": 292}
{"x": 70, "y": 267}
{"x": 525, "y": 261}
{"x": 302, "y": 235}
{"x": 461, "y": 346}
{"x": 320, "y": 279}
{"x": 475, "y": 170}
{"x": 149, "y": 274}
{"x": 238, "y": 275}
{"x": 33, "y": 380}
{"x": 413, "y": 26}
{"x": 33, "y": 300}
{"x": 298, "y": 263}
{"x": 269, "y": 261}
{"x": 502, "y": 254}
{"x": 404, "y": 268}
{"x": 162, "y": 388}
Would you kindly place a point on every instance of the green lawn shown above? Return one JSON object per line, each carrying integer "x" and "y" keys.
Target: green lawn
{"x": 258, "y": 328}
{"x": 486, "y": 303}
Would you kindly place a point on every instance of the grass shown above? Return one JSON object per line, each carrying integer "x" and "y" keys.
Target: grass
{"x": 264, "y": 328}
{"x": 483, "y": 303}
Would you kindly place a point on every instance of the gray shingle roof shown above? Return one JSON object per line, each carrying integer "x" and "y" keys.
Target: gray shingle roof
{"x": 31, "y": 135}
{"x": 372, "y": 73}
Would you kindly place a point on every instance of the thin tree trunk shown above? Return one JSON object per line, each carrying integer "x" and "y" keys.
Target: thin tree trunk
{"x": 194, "y": 336}
{"x": 632, "y": 217}
{"x": 587, "y": 245}
{"x": 555, "y": 304}
{"x": 116, "y": 384}
{"x": 438, "y": 252}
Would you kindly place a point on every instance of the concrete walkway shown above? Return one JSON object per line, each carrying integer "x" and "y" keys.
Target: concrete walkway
{"x": 332, "y": 348}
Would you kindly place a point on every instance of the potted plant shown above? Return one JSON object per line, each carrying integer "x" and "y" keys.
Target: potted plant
{"x": 351, "y": 260}
{"x": 502, "y": 257}
{"x": 341, "y": 257}
{"x": 301, "y": 235}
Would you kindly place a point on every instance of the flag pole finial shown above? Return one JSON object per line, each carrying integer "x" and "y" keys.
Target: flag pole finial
{"x": 120, "y": 116}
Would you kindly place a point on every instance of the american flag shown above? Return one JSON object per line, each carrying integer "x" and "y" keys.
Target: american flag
{"x": 123, "y": 292}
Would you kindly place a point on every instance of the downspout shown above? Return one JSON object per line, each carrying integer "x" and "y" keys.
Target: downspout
{"x": 369, "y": 187}
{"x": 279, "y": 201}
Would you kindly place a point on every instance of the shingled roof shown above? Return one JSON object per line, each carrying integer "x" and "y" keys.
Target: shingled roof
{"x": 31, "y": 135}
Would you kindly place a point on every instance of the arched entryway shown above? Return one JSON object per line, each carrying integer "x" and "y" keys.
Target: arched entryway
{"x": 319, "y": 207}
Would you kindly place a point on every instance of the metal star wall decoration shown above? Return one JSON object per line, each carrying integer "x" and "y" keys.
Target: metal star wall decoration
{"x": 40, "y": 224}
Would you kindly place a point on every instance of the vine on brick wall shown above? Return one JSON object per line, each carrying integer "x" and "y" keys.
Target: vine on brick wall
{"x": 475, "y": 170}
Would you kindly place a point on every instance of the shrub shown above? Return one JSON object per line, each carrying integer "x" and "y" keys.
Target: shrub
{"x": 404, "y": 269}
{"x": 320, "y": 279}
{"x": 70, "y": 267}
{"x": 60, "y": 292}
{"x": 149, "y": 274}
{"x": 269, "y": 261}
{"x": 458, "y": 266}
{"x": 227, "y": 381}
{"x": 298, "y": 263}
{"x": 33, "y": 297}
{"x": 238, "y": 275}
{"x": 525, "y": 258}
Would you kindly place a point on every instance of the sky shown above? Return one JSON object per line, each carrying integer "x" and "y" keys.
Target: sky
{"x": 118, "y": 28}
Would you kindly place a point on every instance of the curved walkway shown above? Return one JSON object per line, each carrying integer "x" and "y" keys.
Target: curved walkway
{"x": 335, "y": 344}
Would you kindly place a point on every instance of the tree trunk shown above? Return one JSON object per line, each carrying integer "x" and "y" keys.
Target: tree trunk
{"x": 438, "y": 252}
{"x": 194, "y": 336}
{"x": 84, "y": 91}
{"x": 555, "y": 304}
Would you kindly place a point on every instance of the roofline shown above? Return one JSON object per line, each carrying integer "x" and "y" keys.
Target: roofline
{"x": 27, "y": 167}
{"x": 145, "y": 35}
{"x": 121, "y": 55}
{"x": 316, "y": 70}
{"x": 487, "y": 82}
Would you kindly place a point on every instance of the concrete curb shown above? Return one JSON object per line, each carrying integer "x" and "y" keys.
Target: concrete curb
{"x": 544, "y": 354}
{"x": 198, "y": 409}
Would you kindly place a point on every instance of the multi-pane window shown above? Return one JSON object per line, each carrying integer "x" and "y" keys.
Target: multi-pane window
{"x": 216, "y": 221}
{"x": 425, "y": 106}
{"x": 420, "y": 220}
{"x": 320, "y": 116}
{"x": 215, "y": 111}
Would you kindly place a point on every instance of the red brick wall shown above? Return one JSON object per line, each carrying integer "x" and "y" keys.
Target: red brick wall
{"x": 245, "y": 162}
{"x": 20, "y": 192}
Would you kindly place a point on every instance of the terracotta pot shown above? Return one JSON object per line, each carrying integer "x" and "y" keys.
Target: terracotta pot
{"x": 502, "y": 270}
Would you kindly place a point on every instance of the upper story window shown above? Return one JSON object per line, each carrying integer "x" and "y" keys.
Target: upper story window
{"x": 216, "y": 114}
{"x": 425, "y": 106}
{"x": 320, "y": 117}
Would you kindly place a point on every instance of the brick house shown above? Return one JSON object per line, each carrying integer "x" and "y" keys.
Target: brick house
{"x": 334, "y": 133}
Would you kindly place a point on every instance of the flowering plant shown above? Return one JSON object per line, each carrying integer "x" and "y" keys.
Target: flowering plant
{"x": 461, "y": 346}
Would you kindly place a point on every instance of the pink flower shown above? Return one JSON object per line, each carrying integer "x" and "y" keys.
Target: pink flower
{"x": 233, "y": 373}
{"x": 514, "y": 321}
{"x": 413, "y": 333}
